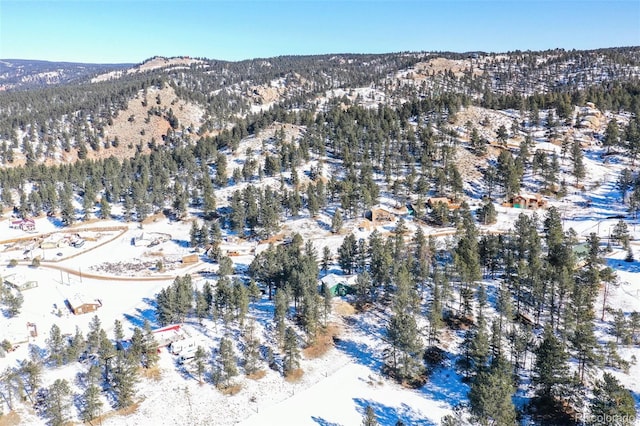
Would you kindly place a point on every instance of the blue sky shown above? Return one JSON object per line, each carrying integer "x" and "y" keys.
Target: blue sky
{"x": 132, "y": 31}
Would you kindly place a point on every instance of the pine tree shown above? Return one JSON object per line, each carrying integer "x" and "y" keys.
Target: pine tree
{"x": 91, "y": 403}
{"x": 327, "y": 299}
{"x": 347, "y": 253}
{"x": 309, "y": 311}
{"x": 136, "y": 349}
{"x": 550, "y": 369}
{"x": 77, "y": 346}
{"x": 227, "y": 360}
{"x": 118, "y": 332}
{"x": 58, "y": 402}
{"x": 487, "y": 214}
{"x": 480, "y": 346}
{"x": 584, "y": 344}
{"x": 490, "y": 395}
{"x": 435, "y": 308}
{"x": 56, "y": 346}
{"x": 105, "y": 208}
{"x": 406, "y": 347}
{"x": 106, "y": 352}
{"x": 326, "y": 259}
{"x": 199, "y": 360}
{"x": 240, "y": 300}
{"x": 336, "y": 221}
{"x": 611, "y": 135}
{"x": 254, "y": 291}
{"x": 32, "y": 372}
{"x": 10, "y": 385}
{"x": 363, "y": 289}
{"x": 621, "y": 233}
{"x": 12, "y": 302}
{"x": 502, "y": 135}
{"x": 291, "y": 359}
{"x": 150, "y": 346}
{"x": 221, "y": 170}
{"x": 370, "y": 418}
{"x": 281, "y": 306}
{"x": 504, "y": 306}
{"x": 405, "y": 353}
{"x": 125, "y": 379}
{"x": 613, "y": 405}
{"x": 202, "y": 308}
{"x": 578, "y": 161}
{"x": 93, "y": 337}
{"x": 251, "y": 350}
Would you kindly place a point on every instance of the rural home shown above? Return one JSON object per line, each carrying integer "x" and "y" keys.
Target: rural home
{"x": 165, "y": 336}
{"x": 236, "y": 249}
{"x": 581, "y": 253}
{"x": 380, "y": 215}
{"x": 448, "y": 202}
{"x": 26, "y": 225}
{"x": 26, "y": 285}
{"x": 340, "y": 285}
{"x": 79, "y": 305}
{"x": 526, "y": 202}
{"x": 18, "y": 283}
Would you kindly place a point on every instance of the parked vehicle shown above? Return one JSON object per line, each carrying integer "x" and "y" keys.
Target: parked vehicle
{"x": 186, "y": 356}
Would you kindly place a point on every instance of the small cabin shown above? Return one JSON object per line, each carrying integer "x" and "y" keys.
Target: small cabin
{"x": 190, "y": 259}
{"x": 339, "y": 285}
{"x": 380, "y": 215}
{"x": 79, "y": 305}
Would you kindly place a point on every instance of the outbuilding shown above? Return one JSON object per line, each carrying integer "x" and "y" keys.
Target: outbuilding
{"x": 79, "y": 305}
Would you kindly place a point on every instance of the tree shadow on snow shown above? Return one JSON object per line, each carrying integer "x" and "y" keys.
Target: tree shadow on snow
{"x": 148, "y": 313}
{"x": 181, "y": 243}
{"x": 360, "y": 352}
{"x": 636, "y": 398}
{"x": 323, "y": 422}
{"x": 389, "y": 416}
{"x": 445, "y": 386}
{"x": 623, "y": 265}
{"x": 323, "y": 225}
{"x": 55, "y": 221}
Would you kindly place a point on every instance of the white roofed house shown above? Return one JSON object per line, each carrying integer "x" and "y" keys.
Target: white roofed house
{"x": 340, "y": 285}
{"x": 165, "y": 336}
{"x": 24, "y": 224}
{"x": 79, "y": 304}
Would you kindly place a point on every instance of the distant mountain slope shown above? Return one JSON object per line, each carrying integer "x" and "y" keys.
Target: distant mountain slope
{"x": 19, "y": 74}
{"x": 59, "y": 112}
{"x": 157, "y": 62}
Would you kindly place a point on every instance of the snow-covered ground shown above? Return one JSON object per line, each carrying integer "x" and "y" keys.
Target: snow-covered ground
{"x": 334, "y": 389}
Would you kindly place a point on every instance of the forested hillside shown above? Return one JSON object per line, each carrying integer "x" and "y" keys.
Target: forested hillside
{"x": 406, "y": 172}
